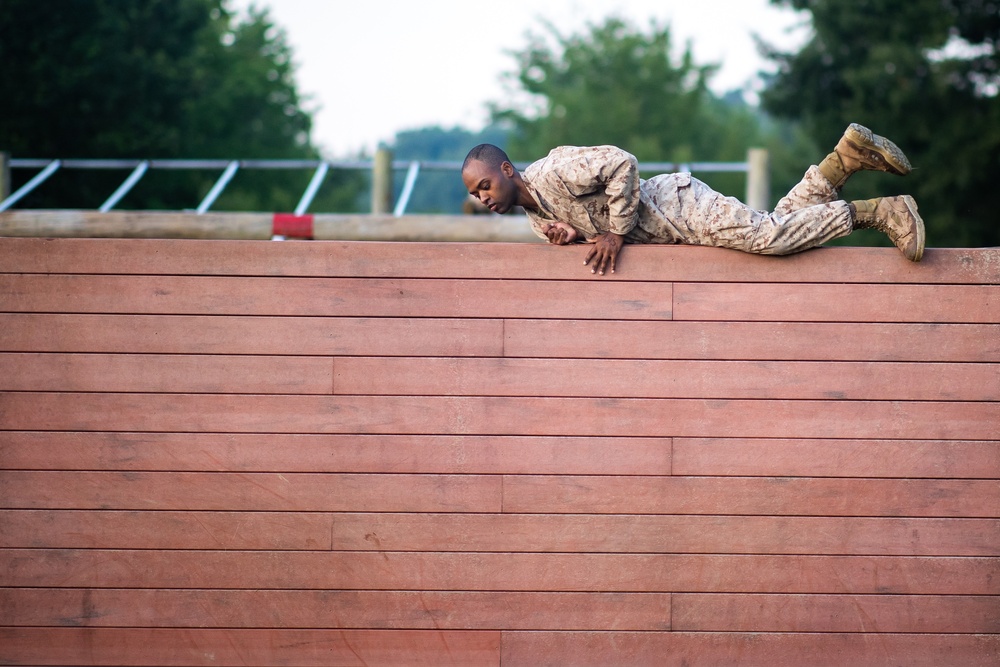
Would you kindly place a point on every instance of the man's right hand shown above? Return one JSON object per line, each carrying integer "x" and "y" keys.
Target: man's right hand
{"x": 559, "y": 233}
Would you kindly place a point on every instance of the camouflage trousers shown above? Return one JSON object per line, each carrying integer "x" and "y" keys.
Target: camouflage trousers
{"x": 682, "y": 209}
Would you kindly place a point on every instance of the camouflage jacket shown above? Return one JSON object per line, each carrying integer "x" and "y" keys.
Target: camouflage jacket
{"x": 594, "y": 189}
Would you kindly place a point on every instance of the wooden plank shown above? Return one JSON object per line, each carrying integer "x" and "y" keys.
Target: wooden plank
{"x": 668, "y": 534}
{"x": 233, "y": 647}
{"x": 837, "y": 303}
{"x": 165, "y": 529}
{"x": 649, "y": 378}
{"x": 46, "y": 450}
{"x": 492, "y": 338}
{"x": 752, "y": 495}
{"x": 763, "y": 341}
{"x": 700, "y": 612}
{"x": 166, "y": 373}
{"x": 183, "y": 334}
{"x": 481, "y": 493}
{"x": 342, "y": 297}
{"x": 399, "y": 610}
{"x": 390, "y": 570}
{"x": 269, "y": 492}
{"x": 679, "y": 649}
{"x": 169, "y": 529}
{"x": 489, "y": 260}
{"x": 458, "y": 415}
{"x": 837, "y": 458}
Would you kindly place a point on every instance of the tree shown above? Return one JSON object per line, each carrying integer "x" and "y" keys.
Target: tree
{"x": 155, "y": 79}
{"x": 616, "y": 84}
{"x": 924, "y": 72}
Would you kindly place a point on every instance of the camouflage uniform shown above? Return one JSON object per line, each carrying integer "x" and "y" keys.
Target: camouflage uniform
{"x": 598, "y": 189}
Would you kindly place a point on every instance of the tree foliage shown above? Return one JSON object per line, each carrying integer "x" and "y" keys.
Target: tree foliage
{"x": 925, "y": 73}
{"x": 617, "y": 84}
{"x": 154, "y": 79}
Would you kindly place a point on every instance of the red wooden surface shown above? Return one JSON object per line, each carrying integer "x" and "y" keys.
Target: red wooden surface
{"x": 512, "y": 533}
{"x": 330, "y": 453}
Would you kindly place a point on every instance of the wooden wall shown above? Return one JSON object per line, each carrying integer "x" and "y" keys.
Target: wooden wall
{"x": 349, "y": 453}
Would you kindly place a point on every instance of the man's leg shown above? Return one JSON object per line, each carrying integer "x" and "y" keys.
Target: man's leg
{"x": 706, "y": 217}
{"x": 859, "y": 149}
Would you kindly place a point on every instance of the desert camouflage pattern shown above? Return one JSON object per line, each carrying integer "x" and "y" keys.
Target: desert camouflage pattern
{"x": 597, "y": 189}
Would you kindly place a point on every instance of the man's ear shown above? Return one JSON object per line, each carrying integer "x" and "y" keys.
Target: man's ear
{"x": 508, "y": 169}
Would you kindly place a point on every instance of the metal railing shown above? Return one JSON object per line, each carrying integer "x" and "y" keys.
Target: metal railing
{"x": 139, "y": 168}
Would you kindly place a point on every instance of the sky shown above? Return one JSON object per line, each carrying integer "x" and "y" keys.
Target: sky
{"x": 372, "y": 68}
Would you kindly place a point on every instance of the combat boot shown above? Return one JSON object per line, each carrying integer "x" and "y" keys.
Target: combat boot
{"x": 861, "y": 149}
{"x": 897, "y": 218}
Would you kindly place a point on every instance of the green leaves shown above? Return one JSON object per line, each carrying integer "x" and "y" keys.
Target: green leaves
{"x": 924, "y": 72}
{"x": 617, "y": 84}
{"x": 153, "y": 79}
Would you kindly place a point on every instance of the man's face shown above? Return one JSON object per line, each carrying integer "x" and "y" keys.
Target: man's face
{"x": 495, "y": 188}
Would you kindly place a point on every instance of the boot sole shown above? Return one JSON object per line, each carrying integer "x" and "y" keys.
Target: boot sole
{"x": 863, "y": 139}
{"x": 911, "y": 205}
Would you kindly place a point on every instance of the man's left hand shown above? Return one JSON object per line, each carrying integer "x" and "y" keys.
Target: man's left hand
{"x": 605, "y": 252}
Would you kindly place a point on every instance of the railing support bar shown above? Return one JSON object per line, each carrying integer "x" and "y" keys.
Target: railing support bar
{"x": 312, "y": 189}
{"x": 30, "y": 185}
{"x": 404, "y": 196}
{"x": 219, "y": 186}
{"x": 124, "y": 188}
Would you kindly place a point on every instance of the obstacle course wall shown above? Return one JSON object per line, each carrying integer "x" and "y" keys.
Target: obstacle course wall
{"x": 351, "y": 453}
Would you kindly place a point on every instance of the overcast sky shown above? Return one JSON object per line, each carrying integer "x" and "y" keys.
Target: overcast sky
{"x": 373, "y": 68}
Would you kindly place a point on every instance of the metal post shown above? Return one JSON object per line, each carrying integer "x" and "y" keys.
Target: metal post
{"x": 4, "y": 175}
{"x": 404, "y": 196}
{"x": 382, "y": 182}
{"x": 30, "y": 185}
{"x": 124, "y": 188}
{"x": 219, "y": 186}
{"x": 312, "y": 188}
{"x": 758, "y": 179}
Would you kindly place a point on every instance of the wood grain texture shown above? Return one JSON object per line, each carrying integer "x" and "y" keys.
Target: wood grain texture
{"x": 752, "y": 495}
{"x": 436, "y": 415}
{"x": 327, "y": 297}
{"x": 393, "y": 570}
{"x": 808, "y": 302}
{"x": 837, "y": 458}
{"x": 758, "y": 649}
{"x": 836, "y": 613}
{"x": 487, "y": 260}
{"x": 181, "y": 334}
{"x": 566, "y": 533}
{"x": 360, "y": 453}
{"x": 386, "y": 610}
{"x": 650, "y": 378}
{"x": 735, "y": 341}
{"x": 758, "y": 341}
{"x": 232, "y": 647}
{"x": 215, "y": 374}
{"x": 266, "y": 492}
{"x": 482, "y": 493}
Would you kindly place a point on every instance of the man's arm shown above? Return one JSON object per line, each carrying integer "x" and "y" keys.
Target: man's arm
{"x": 619, "y": 171}
{"x": 620, "y": 175}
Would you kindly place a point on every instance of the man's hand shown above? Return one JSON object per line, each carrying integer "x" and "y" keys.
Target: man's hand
{"x": 559, "y": 233}
{"x": 605, "y": 252}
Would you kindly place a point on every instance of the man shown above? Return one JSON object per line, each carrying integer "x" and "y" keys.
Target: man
{"x": 595, "y": 195}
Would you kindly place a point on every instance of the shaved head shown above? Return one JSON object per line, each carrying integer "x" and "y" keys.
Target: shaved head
{"x": 490, "y": 155}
